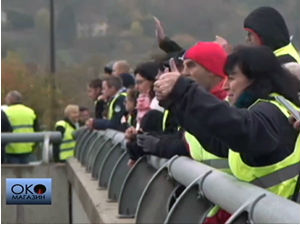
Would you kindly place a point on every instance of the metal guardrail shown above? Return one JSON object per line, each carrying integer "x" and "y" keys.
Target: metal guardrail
{"x": 205, "y": 185}
{"x": 47, "y": 137}
{"x": 179, "y": 190}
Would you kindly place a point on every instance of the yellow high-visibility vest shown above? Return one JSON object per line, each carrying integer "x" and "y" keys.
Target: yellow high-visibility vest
{"x": 166, "y": 113}
{"x": 270, "y": 177}
{"x": 198, "y": 153}
{"x": 288, "y": 50}
{"x": 66, "y": 148}
{"x": 111, "y": 105}
{"x": 21, "y": 119}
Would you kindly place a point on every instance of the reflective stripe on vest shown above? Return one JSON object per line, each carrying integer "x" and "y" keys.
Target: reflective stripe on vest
{"x": 198, "y": 153}
{"x": 288, "y": 50}
{"x": 166, "y": 114}
{"x": 21, "y": 119}
{"x": 130, "y": 120}
{"x": 111, "y": 105}
{"x": 279, "y": 178}
{"x": 22, "y": 126}
{"x": 68, "y": 143}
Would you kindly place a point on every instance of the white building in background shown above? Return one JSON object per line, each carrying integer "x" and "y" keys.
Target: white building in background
{"x": 3, "y": 18}
{"x": 85, "y": 30}
{"x": 99, "y": 29}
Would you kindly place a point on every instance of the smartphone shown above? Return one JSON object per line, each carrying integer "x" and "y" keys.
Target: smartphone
{"x": 288, "y": 106}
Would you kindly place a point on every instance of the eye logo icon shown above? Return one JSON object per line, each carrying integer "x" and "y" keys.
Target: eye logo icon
{"x": 39, "y": 189}
{"x": 28, "y": 191}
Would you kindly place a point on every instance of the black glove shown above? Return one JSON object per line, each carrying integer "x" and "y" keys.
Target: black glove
{"x": 147, "y": 142}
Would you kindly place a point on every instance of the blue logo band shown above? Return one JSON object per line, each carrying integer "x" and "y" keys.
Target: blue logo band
{"x": 28, "y": 191}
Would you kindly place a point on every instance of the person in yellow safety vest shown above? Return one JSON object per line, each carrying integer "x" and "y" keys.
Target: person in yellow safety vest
{"x": 23, "y": 120}
{"x": 296, "y": 125}
{"x": 111, "y": 89}
{"x": 66, "y": 126}
{"x": 266, "y": 26}
{"x": 260, "y": 141}
{"x": 198, "y": 67}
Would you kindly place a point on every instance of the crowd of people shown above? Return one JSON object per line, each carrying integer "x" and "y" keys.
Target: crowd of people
{"x": 213, "y": 102}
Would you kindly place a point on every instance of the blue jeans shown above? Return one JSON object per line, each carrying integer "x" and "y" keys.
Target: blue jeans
{"x": 17, "y": 158}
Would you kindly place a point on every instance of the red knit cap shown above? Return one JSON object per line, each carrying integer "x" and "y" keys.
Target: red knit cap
{"x": 213, "y": 57}
{"x": 210, "y": 55}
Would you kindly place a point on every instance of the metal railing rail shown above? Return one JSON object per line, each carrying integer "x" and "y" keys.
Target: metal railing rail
{"x": 47, "y": 137}
{"x": 157, "y": 189}
{"x": 241, "y": 199}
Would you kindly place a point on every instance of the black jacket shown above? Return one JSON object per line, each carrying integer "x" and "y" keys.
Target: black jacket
{"x": 171, "y": 144}
{"x": 115, "y": 122}
{"x": 5, "y": 127}
{"x": 125, "y": 125}
{"x": 170, "y": 46}
{"x": 262, "y": 134}
{"x": 171, "y": 140}
{"x": 99, "y": 108}
{"x": 171, "y": 124}
{"x": 151, "y": 122}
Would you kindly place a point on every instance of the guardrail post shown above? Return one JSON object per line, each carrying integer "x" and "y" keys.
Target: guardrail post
{"x": 48, "y": 138}
{"x": 46, "y": 148}
{"x": 192, "y": 199}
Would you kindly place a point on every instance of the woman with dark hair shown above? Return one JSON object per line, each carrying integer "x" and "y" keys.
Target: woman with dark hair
{"x": 149, "y": 116}
{"x": 263, "y": 73}
{"x": 145, "y": 74}
{"x": 256, "y": 134}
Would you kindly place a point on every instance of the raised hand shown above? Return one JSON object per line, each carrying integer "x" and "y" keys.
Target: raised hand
{"x": 166, "y": 82}
{"x": 224, "y": 43}
{"x": 159, "y": 30}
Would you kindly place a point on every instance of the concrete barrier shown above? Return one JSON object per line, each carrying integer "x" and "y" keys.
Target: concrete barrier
{"x": 93, "y": 199}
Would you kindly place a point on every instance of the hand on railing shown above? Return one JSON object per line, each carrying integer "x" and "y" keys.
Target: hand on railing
{"x": 130, "y": 134}
{"x": 147, "y": 142}
{"x": 90, "y": 123}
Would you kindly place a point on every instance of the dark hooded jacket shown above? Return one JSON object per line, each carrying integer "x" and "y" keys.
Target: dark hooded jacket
{"x": 269, "y": 25}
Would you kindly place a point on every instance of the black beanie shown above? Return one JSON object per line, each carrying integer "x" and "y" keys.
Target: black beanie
{"x": 269, "y": 25}
{"x": 127, "y": 79}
